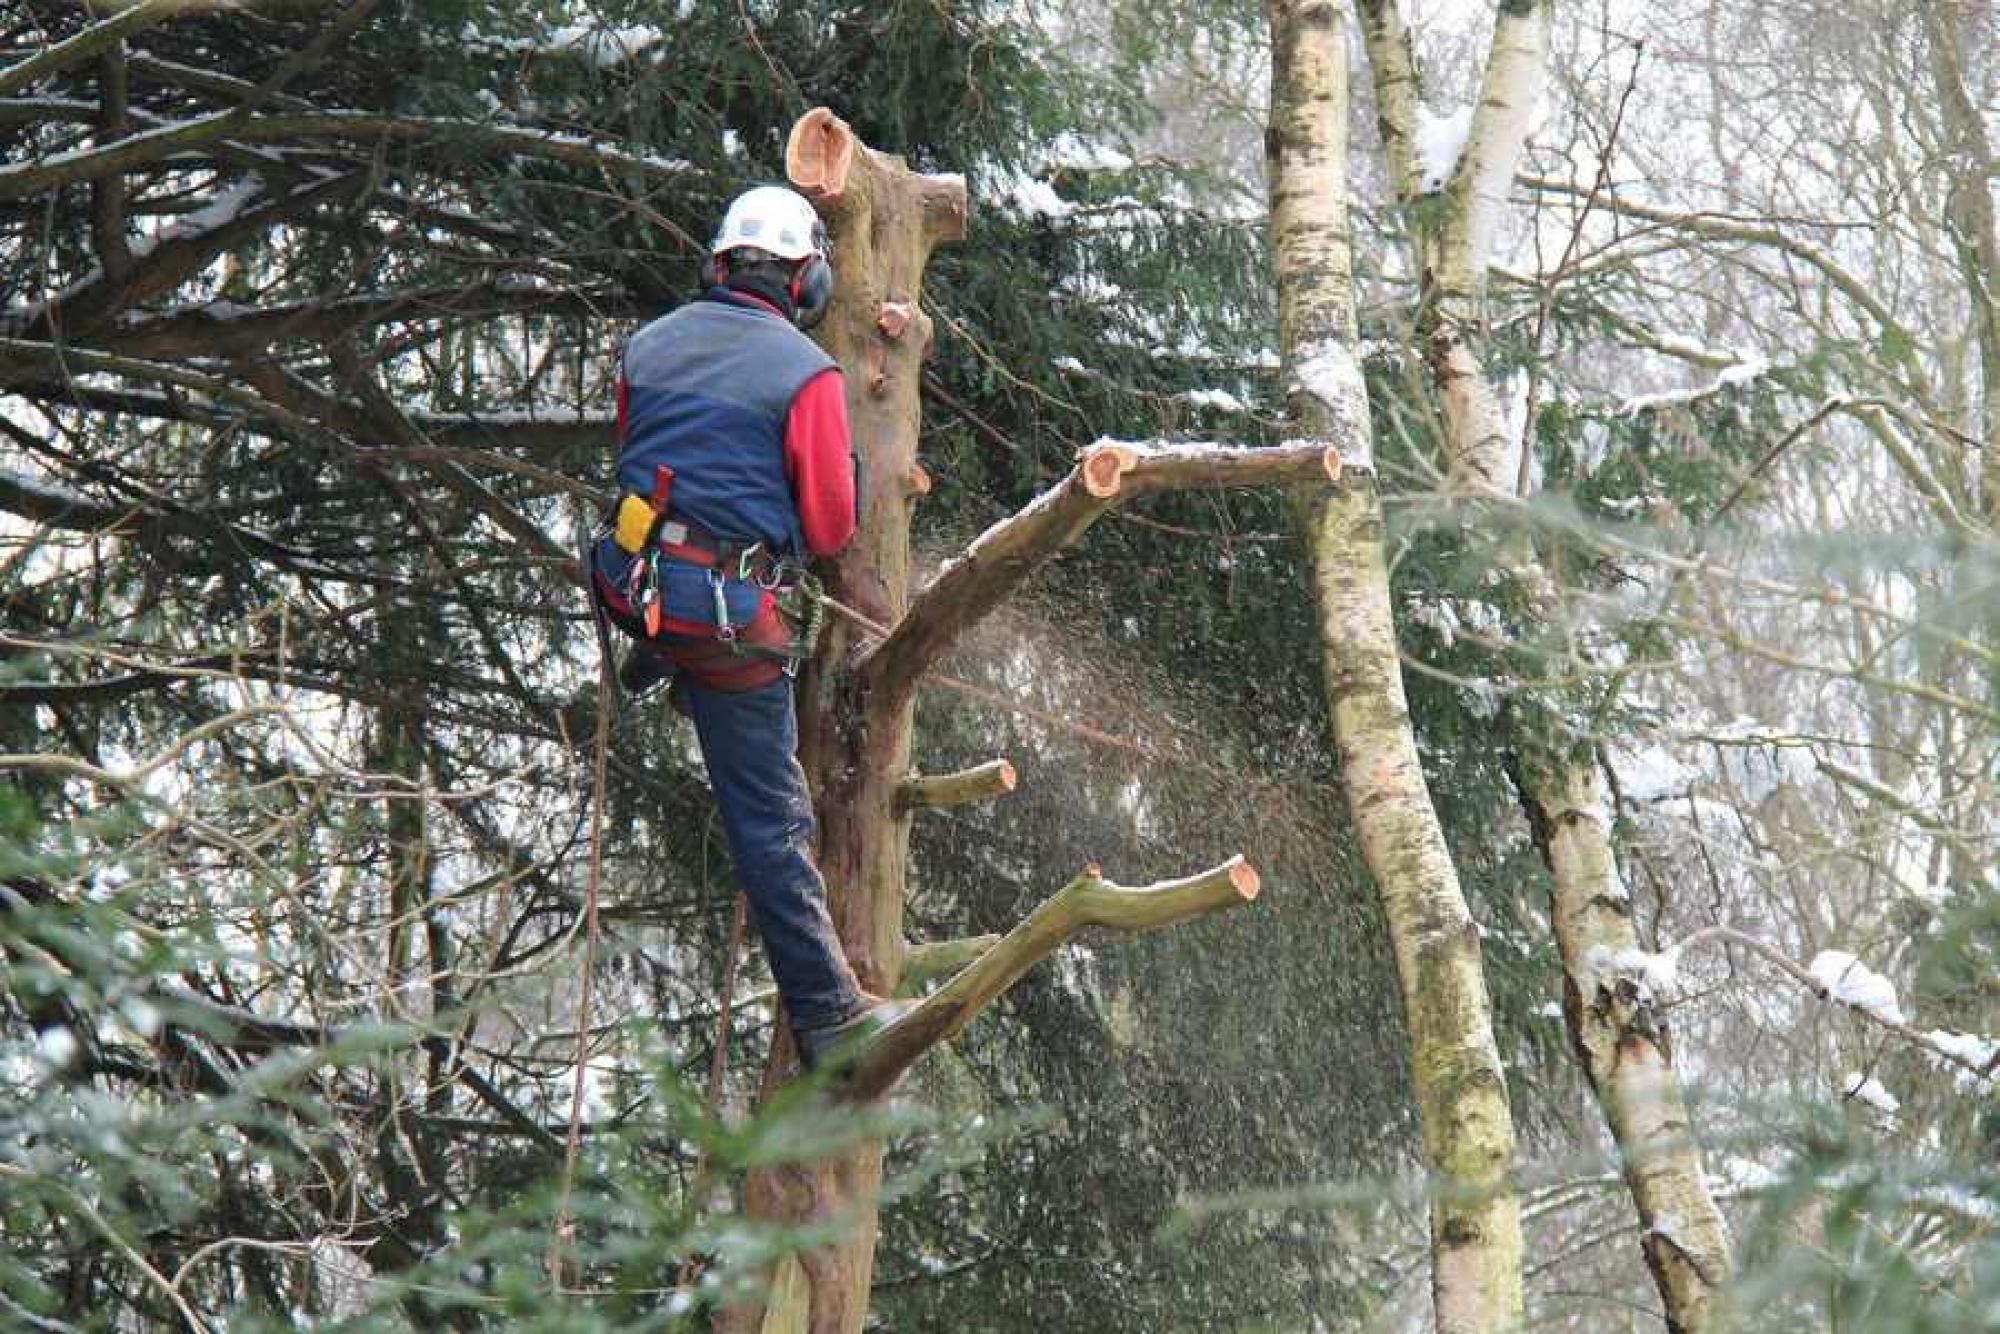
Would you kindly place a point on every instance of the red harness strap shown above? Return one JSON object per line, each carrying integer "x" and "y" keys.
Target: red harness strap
{"x": 693, "y": 647}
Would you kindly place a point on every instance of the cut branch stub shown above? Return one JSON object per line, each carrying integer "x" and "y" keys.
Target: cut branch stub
{"x": 1104, "y": 467}
{"x": 1107, "y": 473}
{"x": 1088, "y": 900}
{"x": 820, "y": 153}
{"x": 995, "y": 778}
{"x": 895, "y": 317}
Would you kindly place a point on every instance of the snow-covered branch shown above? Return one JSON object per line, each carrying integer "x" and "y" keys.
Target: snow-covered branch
{"x": 999, "y": 560}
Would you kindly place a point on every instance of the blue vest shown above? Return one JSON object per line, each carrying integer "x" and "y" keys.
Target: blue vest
{"x": 710, "y": 387}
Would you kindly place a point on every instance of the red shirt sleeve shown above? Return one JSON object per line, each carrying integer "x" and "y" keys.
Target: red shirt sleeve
{"x": 820, "y": 464}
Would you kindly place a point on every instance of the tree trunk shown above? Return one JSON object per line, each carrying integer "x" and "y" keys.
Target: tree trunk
{"x": 884, "y": 221}
{"x": 855, "y": 712}
{"x": 1975, "y": 237}
{"x": 1619, "y": 1029}
{"x": 1461, "y": 1091}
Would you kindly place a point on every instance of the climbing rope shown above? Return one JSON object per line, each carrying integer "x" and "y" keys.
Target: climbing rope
{"x": 562, "y": 1244}
{"x": 565, "y": 1235}
{"x": 718, "y": 1064}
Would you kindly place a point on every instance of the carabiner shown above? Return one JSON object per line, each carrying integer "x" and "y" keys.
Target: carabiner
{"x": 723, "y": 629}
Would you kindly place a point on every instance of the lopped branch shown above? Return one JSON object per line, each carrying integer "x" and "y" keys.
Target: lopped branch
{"x": 995, "y": 778}
{"x": 1005, "y": 555}
{"x": 821, "y": 155}
{"x": 1088, "y": 900}
{"x": 934, "y": 958}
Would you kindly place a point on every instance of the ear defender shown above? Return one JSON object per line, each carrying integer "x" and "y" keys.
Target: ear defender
{"x": 812, "y": 291}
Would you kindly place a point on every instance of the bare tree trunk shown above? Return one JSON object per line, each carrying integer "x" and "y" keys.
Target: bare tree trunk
{"x": 855, "y": 712}
{"x": 1616, "y": 1026}
{"x": 1455, "y": 230}
{"x": 1619, "y": 1029}
{"x": 1460, "y": 1088}
{"x": 884, "y": 220}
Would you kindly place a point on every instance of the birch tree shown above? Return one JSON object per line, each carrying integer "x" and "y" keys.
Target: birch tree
{"x": 1616, "y": 1022}
{"x": 1460, "y": 1088}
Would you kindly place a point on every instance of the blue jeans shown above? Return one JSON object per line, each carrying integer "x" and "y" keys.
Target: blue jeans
{"x": 749, "y": 740}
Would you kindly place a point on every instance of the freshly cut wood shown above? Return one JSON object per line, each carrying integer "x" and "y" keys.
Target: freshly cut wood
{"x": 995, "y": 778}
{"x": 1103, "y": 468}
{"x": 1006, "y": 555}
{"x": 819, "y": 153}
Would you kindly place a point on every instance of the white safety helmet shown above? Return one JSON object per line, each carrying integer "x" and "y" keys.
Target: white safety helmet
{"x": 772, "y": 219}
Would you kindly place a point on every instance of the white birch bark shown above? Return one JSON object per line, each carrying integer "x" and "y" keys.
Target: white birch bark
{"x": 1460, "y": 1088}
{"x": 1619, "y": 1032}
{"x": 1455, "y": 232}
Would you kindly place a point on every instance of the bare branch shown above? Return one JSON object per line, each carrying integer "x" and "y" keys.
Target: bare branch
{"x": 98, "y": 38}
{"x": 1005, "y": 555}
{"x": 1088, "y": 900}
{"x": 1804, "y": 977}
{"x": 995, "y": 778}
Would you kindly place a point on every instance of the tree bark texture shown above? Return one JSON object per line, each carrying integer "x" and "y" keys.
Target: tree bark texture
{"x": 1616, "y": 1026}
{"x": 1455, "y": 226}
{"x": 856, "y": 703}
{"x": 884, "y": 220}
{"x": 1461, "y": 1091}
{"x": 1970, "y": 215}
{"x": 1619, "y": 1029}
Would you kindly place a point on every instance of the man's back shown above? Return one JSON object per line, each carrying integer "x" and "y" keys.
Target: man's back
{"x": 708, "y": 391}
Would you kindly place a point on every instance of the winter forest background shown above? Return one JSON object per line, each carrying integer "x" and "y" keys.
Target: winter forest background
{"x": 307, "y": 323}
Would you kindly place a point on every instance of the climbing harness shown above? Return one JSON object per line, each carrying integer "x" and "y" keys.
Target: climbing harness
{"x": 784, "y": 629}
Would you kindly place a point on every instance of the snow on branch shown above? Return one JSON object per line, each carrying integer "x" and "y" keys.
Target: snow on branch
{"x": 1741, "y": 370}
{"x": 1000, "y": 559}
{"x": 33, "y": 177}
{"x": 96, "y": 39}
{"x": 1835, "y": 975}
{"x": 1846, "y": 979}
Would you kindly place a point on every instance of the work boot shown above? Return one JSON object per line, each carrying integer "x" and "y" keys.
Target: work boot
{"x": 837, "y": 1041}
{"x": 642, "y": 673}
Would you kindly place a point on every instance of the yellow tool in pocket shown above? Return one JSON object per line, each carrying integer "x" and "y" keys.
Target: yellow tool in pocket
{"x": 635, "y": 524}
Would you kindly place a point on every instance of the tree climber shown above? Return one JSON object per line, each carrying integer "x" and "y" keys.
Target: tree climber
{"x": 734, "y": 466}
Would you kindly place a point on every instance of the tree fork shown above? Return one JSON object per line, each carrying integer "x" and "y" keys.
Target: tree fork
{"x": 1460, "y": 1085}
